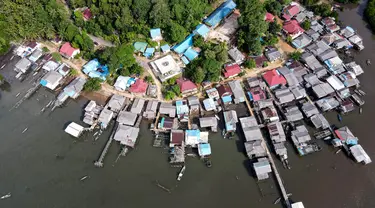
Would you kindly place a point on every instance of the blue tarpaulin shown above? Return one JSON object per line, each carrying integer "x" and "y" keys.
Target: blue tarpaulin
{"x": 204, "y": 149}
{"x": 220, "y": 13}
{"x": 191, "y": 54}
{"x": 43, "y": 82}
{"x": 185, "y": 44}
{"x": 202, "y": 30}
{"x": 227, "y": 99}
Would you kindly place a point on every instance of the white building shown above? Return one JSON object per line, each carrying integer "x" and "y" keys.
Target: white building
{"x": 165, "y": 68}
{"x": 51, "y": 80}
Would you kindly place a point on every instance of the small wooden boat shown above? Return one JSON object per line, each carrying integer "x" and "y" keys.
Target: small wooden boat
{"x": 368, "y": 62}
{"x": 6, "y": 196}
{"x": 360, "y": 110}
{"x": 217, "y": 117}
{"x": 84, "y": 178}
{"x": 181, "y": 173}
{"x": 25, "y": 130}
{"x": 362, "y": 92}
{"x": 339, "y": 117}
{"x": 18, "y": 94}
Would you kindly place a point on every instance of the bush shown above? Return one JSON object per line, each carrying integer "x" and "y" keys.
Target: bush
{"x": 306, "y": 25}
{"x": 250, "y": 64}
{"x": 93, "y": 84}
{"x": 169, "y": 95}
{"x": 295, "y": 55}
{"x": 56, "y": 56}
{"x": 45, "y": 49}
{"x": 73, "y": 72}
{"x": 149, "y": 79}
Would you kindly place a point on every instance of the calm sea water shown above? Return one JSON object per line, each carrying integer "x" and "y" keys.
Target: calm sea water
{"x": 43, "y": 166}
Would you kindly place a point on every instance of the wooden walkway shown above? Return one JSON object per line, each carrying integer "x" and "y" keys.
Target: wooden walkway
{"x": 99, "y": 163}
{"x": 272, "y": 162}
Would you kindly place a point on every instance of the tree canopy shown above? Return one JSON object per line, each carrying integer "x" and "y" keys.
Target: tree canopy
{"x": 93, "y": 84}
{"x": 252, "y": 25}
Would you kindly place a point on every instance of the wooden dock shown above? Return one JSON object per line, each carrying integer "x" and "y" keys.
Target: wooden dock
{"x": 272, "y": 162}
{"x": 99, "y": 163}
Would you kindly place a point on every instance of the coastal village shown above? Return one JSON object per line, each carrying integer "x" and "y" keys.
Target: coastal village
{"x": 282, "y": 100}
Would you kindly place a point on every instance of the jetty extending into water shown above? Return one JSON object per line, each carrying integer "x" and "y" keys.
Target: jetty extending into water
{"x": 99, "y": 163}
{"x": 279, "y": 180}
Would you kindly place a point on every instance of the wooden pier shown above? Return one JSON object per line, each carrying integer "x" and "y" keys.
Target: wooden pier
{"x": 99, "y": 163}
{"x": 272, "y": 162}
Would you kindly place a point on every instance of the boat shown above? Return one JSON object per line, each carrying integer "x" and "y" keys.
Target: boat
{"x": 181, "y": 173}
{"x": 360, "y": 110}
{"x": 83, "y": 178}
{"x": 217, "y": 117}
{"x": 368, "y": 62}
{"x": 208, "y": 163}
{"x": 25, "y": 130}
{"x": 362, "y": 92}
{"x": 18, "y": 94}
{"x": 6, "y": 196}
{"x": 339, "y": 117}
{"x": 49, "y": 104}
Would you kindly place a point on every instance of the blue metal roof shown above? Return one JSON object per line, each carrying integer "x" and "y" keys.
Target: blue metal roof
{"x": 193, "y": 133}
{"x": 185, "y": 44}
{"x": 185, "y": 60}
{"x": 91, "y": 66}
{"x": 204, "y": 149}
{"x": 220, "y": 13}
{"x": 202, "y": 30}
{"x": 227, "y": 99}
{"x": 149, "y": 52}
{"x": 156, "y": 32}
{"x": 140, "y": 46}
{"x": 165, "y": 48}
{"x": 191, "y": 54}
{"x": 43, "y": 82}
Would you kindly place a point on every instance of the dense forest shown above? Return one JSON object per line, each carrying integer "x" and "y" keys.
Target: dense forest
{"x": 370, "y": 13}
{"x": 124, "y": 20}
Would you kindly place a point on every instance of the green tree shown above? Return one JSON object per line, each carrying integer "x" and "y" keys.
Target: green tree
{"x": 71, "y": 32}
{"x": 160, "y": 13}
{"x": 149, "y": 79}
{"x": 170, "y": 95}
{"x": 274, "y": 27}
{"x": 141, "y": 9}
{"x": 252, "y": 25}
{"x": 176, "y": 89}
{"x": 198, "y": 41}
{"x": 176, "y": 33}
{"x": 250, "y": 63}
{"x": 56, "y": 56}
{"x": 93, "y": 84}
{"x": 306, "y": 25}
{"x": 209, "y": 54}
{"x": 198, "y": 75}
{"x": 78, "y": 19}
{"x": 273, "y": 7}
{"x": 4, "y": 45}
{"x": 295, "y": 55}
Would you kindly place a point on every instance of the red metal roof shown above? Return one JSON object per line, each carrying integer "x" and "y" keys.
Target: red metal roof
{"x": 269, "y": 17}
{"x": 273, "y": 78}
{"x": 177, "y": 137}
{"x": 232, "y": 70}
{"x": 185, "y": 84}
{"x": 224, "y": 90}
{"x": 67, "y": 49}
{"x": 292, "y": 27}
{"x": 257, "y": 93}
{"x": 140, "y": 86}
{"x": 87, "y": 14}
{"x": 292, "y": 10}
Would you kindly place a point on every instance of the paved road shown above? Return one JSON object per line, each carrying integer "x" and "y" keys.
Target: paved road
{"x": 101, "y": 41}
